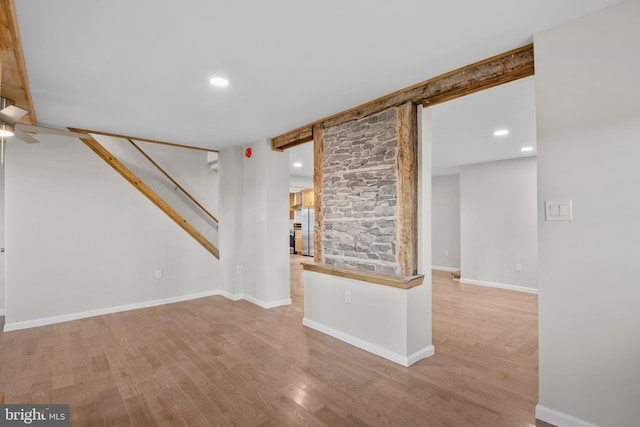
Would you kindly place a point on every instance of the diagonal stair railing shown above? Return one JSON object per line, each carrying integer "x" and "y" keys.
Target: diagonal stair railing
{"x": 174, "y": 182}
{"x": 132, "y": 162}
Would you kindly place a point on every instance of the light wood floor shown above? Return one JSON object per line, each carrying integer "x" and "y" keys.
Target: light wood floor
{"x": 212, "y": 361}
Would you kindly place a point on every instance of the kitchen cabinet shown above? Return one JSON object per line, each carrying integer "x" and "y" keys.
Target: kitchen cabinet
{"x": 291, "y": 203}
{"x": 298, "y": 241}
{"x": 308, "y": 198}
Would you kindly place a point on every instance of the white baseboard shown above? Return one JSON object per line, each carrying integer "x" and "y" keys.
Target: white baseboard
{"x": 371, "y": 348}
{"x": 109, "y": 310}
{"x": 232, "y": 297}
{"x": 272, "y": 304}
{"x": 14, "y": 326}
{"x": 450, "y": 269}
{"x": 421, "y": 354}
{"x": 499, "y": 285}
{"x": 560, "y": 419}
{"x": 238, "y": 297}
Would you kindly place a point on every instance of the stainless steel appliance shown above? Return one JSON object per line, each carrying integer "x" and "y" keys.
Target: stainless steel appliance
{"x": 308, "y": 223}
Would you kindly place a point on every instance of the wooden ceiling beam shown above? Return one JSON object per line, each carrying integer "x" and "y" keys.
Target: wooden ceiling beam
{"x": 293, "y": 138}
{"x": 14, "y": 83}
{"x": 504, "y": 68}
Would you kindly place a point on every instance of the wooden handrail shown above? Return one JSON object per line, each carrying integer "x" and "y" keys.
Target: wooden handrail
{"x": 115, "y": 135}
{"x": 170, "y": 178}
{"x": 401, "y": 282}
{"x": 148, "y": 192}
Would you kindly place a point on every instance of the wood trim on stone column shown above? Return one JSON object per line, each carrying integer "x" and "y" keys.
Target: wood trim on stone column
{"x": 407, "y": 202}
{"x": 317, "y": 191}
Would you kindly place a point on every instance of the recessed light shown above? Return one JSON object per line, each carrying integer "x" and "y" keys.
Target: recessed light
{"x": 501, "y": 132}
{"x": 297, "y": 165}
{"x": 219, "y": 81}
{"x": 525, "y": 149}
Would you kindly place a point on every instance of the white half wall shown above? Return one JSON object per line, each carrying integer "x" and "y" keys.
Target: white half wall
{"x": 498, "y": 223}
{"x": 376, "y": 319}
{"x": 82, "y": 239}
{"x": 588, "y": 109}
{"x": 445, "y": 227}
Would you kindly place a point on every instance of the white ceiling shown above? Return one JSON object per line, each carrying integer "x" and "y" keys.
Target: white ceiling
{"x": 301, "y": 154}
{"x": 142, "y": 67}
{"x": 462, "y": 129}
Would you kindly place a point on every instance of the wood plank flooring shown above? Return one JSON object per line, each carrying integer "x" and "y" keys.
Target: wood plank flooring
{"x": 212, "y": 361}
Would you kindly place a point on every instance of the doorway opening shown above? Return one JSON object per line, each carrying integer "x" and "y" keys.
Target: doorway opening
{"x": 301, "y": 215}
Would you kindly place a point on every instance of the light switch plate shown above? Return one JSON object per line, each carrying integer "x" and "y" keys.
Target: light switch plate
{"x": 558, "y": 210}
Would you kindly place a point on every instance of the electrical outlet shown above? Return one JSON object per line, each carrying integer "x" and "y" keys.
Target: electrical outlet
{"x": 347, "y": 297}
{"x": 518, "y": 268}
{"x": 446, "y": 252}
{"x": 158, "y": 274}
{"x": 238, "y": 269}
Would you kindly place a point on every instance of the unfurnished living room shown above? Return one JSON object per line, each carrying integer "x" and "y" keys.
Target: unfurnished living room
{"x": 470, "y": 205}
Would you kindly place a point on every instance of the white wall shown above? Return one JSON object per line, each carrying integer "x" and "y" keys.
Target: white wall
{"x": 209, "y": 198}
{"x": 420, "y": 323}
{"x": 80, "y": 238}
{"x": 190, "y": 168}
{"x": 445, "y": 227}
{"x": 254, "y": 224}
{"x": 301, "y": 182}
{"x": 498, "y": 223}
{"x": 2, "y": 239}
{"x": 265, "y": 223}
{"x": 588, "y": 113}
{"x": 193, "y": 162}
{"x": 230, "y": 229}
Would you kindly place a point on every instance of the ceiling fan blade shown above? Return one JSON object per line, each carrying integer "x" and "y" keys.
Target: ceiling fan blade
{"x": 50, "y": 131}
{"x": 12, "y": 114}
{"x": 25, "y": 137}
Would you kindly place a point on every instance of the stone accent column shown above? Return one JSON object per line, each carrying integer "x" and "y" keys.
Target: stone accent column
{"x": 359, "y": 193}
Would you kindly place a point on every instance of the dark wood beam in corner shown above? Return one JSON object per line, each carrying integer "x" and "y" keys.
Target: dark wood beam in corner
{"x": 293, "y": 138}
{"x": 14, "y": 83}
{"x": 407, "y": 201}
{"x": 317, "y": 191}
{"x": 147, "y": 192}
{"x": 504, "y": 68}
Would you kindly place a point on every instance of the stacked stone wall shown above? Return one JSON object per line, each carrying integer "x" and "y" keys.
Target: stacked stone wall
{"x": 359, "y": 193}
